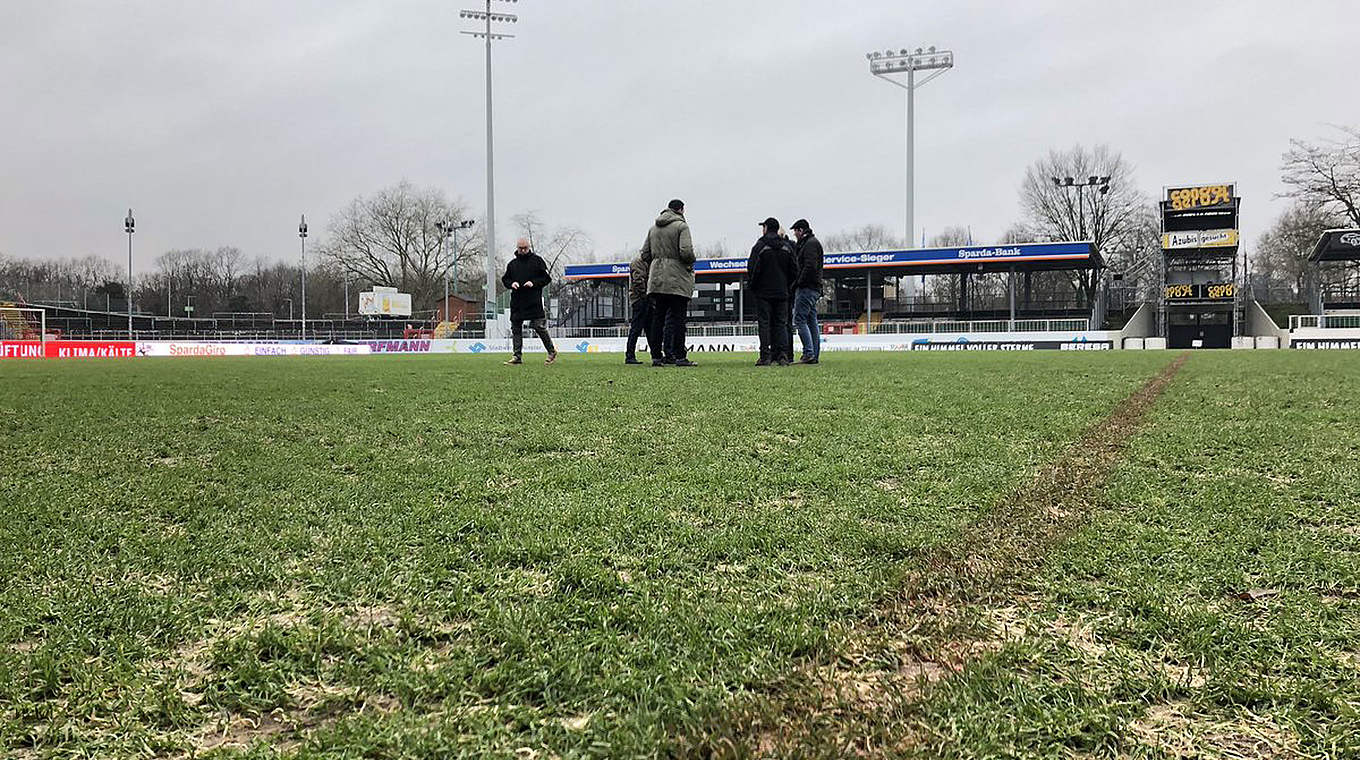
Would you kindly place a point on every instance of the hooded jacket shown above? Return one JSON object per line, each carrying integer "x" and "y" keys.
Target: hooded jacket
{"x": 526, "y": 302}
{"x": 637, "y": 279}
{"x": 770, "y": 270}
{"x": 670, "y": 253}
{"x": 808, "y": 256}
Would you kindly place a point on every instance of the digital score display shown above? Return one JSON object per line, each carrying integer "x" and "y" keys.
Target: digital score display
{"x": 1201, "y": 197}
{"x": 1204, "y": 291}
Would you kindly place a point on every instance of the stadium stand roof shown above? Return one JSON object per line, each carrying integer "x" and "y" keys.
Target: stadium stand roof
{"x": 910, "y": 261}
{"x": 1337, "y": 245}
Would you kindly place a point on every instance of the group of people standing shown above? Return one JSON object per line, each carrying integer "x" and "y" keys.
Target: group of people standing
{"x": 783, "y": 277}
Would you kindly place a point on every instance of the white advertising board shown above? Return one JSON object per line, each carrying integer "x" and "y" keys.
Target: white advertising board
{"x": 386, "y": 304}
{"x": 208, "y": 350}
{"x": 1092, "y": 340}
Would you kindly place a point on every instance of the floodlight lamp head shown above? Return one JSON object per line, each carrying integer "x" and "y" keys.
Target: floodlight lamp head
{"x": 129, "y": 224}
{"x": 1067, "y": 180}
{"x": 302, "y": 226}
{"x": 1056, "y": 182}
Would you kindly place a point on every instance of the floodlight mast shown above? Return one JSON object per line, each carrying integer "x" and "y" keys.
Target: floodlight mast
{"x": 488, "y": 17}
{"x": 302, "y": 234}
{"x": 889, "y": 62}
{"x": 129, "y": 226}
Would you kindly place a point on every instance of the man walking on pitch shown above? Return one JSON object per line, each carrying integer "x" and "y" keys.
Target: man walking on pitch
{"x": 807, "y": 290}
{"x": 669, "y": 252}
{"x": 769, "y": 277}
{"x": 527, "y": 275}
{"x": 641, "y": 305}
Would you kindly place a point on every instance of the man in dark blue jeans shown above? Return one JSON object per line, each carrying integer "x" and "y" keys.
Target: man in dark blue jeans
{"x": 807, "y": 291}
{"x": 641, "y": 305}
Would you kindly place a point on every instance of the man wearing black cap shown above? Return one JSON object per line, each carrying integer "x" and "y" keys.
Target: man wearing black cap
{"x": 769, "y": 278}
{"x": 807, "y": 290}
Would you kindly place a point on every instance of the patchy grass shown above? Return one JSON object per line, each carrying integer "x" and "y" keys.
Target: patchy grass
{"x": 440, "y": 557}
{"x": 1210, "y": 606}
{"x": 429, "y": 557}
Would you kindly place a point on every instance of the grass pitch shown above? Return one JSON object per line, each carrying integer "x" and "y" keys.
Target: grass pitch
{"x": 440, "y": 556}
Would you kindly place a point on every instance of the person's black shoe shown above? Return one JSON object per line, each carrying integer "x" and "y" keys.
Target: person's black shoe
{"x": 685, "y": 363}
{"x": 763, "y": 363}
{"x": 659, "y": 363}
{"x": 808, "y": 361}
{"x": 631, "y": 360}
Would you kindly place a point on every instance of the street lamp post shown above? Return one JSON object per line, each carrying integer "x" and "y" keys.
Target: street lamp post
{"x": 1098, "y": 184}
{"x": 488, "y": 17}
{"x": 290, "y": 309}
{"x": 889, "y": 62}
{"x": 449, "y": 230}
{"x": 129, "y": 226}
{"x": 302, "y": 234}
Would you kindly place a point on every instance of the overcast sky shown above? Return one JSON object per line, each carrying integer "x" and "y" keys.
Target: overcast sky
{"x": 221, "y": 122}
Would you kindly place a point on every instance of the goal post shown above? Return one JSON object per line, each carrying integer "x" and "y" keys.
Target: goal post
{"x": 22, "y": 323}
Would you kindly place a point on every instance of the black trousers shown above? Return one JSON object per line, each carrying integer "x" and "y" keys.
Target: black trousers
{"x": 540, "y": 326}
{"x": 666, "y": 338}
{"x": 772, "y": 323}
{"x": 642, "y": 319}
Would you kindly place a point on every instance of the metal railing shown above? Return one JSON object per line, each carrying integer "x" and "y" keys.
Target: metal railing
{"x": 1324, "y": 321}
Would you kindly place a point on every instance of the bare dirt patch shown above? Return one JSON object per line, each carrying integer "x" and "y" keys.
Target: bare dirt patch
{"x": 923, "y": 634}
{"x": 1175, "y": 729}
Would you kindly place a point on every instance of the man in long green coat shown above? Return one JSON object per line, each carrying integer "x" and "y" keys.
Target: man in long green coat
{"x": 670, "y": 284}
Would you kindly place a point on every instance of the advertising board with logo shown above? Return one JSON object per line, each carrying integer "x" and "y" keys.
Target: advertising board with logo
{"x": 67, "y": 349}
{"x": 1324, "y": 344}
{"x": 424, "y": 346}
{"x": 208, "y": 350}
{"x": 385, "y": 302}
{"x": 981, "y": 254}
{"x": 1202, "y": 291}
{"x": 1200, "y": 197}
{"x": 1199, "y": 239}
{"x": 925, "y": 344}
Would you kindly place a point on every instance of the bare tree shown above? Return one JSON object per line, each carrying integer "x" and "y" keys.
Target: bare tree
{"x": 391, "y": 239}
{"x": 870, "y": 237}
{"x": 1326, "y": 174}
{"x": 1281, "y": 258}
{"x": 1056, "y": 211}
{"x": 558, "y": 246}
{"x": 1017, "y": 233}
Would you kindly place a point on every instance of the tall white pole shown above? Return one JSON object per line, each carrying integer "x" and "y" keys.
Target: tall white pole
{"x": 490, "y": 189}
{"x": 302, "y": 234}
{"x": 130, "y": 225}
{"x": 911, "y": 157}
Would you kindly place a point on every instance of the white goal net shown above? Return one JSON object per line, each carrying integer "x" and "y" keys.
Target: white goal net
{"x": 22, "y": 323}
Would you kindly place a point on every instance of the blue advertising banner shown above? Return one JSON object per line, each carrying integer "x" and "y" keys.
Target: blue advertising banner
{"x": 987, "y": 254}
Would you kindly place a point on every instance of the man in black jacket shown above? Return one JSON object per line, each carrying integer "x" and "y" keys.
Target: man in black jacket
{"x": 769, "y": 278}
{"x": 807, "y": 290}
{"x": 641, "y": 306}
{"x": 527, "y": 275}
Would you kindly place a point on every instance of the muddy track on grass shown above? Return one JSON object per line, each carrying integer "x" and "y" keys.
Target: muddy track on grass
{"x": 930, "y": 627}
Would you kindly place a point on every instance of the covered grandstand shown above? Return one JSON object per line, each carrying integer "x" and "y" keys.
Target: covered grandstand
{"x": 866, "y": 292}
